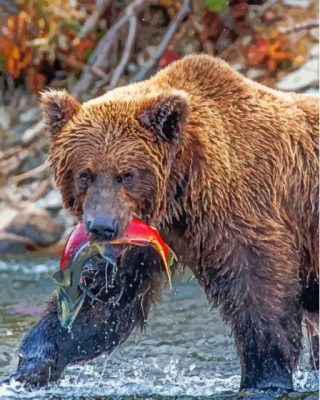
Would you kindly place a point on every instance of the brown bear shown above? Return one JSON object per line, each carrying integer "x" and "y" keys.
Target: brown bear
{"x": 227, "y": 170}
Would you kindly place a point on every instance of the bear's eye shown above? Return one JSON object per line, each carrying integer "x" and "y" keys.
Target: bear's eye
{"x": 84, "y": 177}
{"x": 119, "y": 179}
{"x": 125, "y": 178}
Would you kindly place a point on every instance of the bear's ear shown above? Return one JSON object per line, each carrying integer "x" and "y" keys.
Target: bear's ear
{"x": 166, "y": 117}
{"x": 58, "y": 107}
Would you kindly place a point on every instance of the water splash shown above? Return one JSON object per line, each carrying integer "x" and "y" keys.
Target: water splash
{"x": 185, "y": 351}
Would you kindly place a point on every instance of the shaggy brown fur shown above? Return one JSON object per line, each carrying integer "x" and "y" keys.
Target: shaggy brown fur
{"x": 228, "y": 170}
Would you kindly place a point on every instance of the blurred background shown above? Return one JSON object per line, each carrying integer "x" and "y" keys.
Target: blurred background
{"x": 91, "y": 46}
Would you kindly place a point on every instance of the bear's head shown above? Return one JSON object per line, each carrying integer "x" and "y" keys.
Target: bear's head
{"x": 112, "y": 156}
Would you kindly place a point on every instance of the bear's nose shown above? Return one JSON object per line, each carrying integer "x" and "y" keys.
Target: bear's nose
{"x": 103, "y": 228}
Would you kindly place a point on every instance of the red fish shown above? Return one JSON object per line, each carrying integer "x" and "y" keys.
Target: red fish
{"x": 77, "y": 238}
{"x": 137, "y": 233}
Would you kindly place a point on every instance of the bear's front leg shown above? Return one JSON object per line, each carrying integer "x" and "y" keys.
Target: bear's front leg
{"x": 259, "y": 296}
{"x": 48, "y": 348}
{"x": 103, "y": 322}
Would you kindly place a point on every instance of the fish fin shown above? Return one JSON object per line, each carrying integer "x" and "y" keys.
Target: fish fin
{"x": 62, "y": 278}
{"x": 69, "y": 309}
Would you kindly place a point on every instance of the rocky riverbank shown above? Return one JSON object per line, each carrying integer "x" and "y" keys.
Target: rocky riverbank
{"x": 31, "y": 212}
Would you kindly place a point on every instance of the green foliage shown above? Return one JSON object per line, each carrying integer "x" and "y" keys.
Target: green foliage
{"x": 217, "y": 6}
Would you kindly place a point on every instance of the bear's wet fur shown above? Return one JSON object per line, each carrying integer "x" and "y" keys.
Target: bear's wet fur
{"x": 227, "y": 169}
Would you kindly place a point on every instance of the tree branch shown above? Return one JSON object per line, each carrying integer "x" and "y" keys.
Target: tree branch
{"x": 309, "y": 24}
{"x": 93, "y": 20}
{"x": 126, "y": 52}
{"x": 99, "y": 58}
{"x": 173, "y": 27}
{"x": 78, "y": 65}
{"x": 31, "y": 173}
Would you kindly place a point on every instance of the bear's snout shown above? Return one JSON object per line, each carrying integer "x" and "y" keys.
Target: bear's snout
{"x": 103, "y": 228}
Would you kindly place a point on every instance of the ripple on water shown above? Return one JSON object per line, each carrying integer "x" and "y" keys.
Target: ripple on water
{"x": 185, "y": 351}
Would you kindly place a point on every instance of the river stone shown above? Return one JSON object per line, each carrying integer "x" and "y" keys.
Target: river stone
{"x": 31, "y": 115}
{"x": 14, "y": 244}
{"x": 258, "y": 396}
{"x": 312, "y": 397}
{"x": 36, "y": 225}
{"x": 297, "y": 3}
{"x": 302, "y": 78}
{"x": 294, "y": 395}
{"x": 7, "y": 214}
{"x": 51, "y": 201}
{"x": 254, "y": 394}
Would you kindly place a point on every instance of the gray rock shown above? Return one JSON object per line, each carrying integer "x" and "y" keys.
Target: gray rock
{"x": 31, "y": 115}
{"x": 31, "y": 162}
{"x": 294, "y": 395}
{"x": 302, "y": 78}
{"x": 20, "y": 128}
{"x": 312, "y": 397}
{"x": 14, "y": 244}
{"x": 5, "y": 120}
{"x": 255, "y": 394}
{"x": 68, "y": 220}
{"x": 297, "y": 3}
{"x": 314, "y": 51}
{"x": 7, "y": 214}
{"x": 312, "y": 91}
{"x": 37, "y": 226}
{"x": 258, "y": 396}
{"x": 33, "y": 132}
{"x": 315, "y": 33}
{"x": 51, "y": 201}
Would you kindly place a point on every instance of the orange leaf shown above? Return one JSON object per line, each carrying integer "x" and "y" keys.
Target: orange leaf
{"x": 258, "y": 52}
{"x": 34, "y": 80}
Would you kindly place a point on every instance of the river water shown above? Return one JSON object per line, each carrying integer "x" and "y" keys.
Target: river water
{"x": 186, "y": 351}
